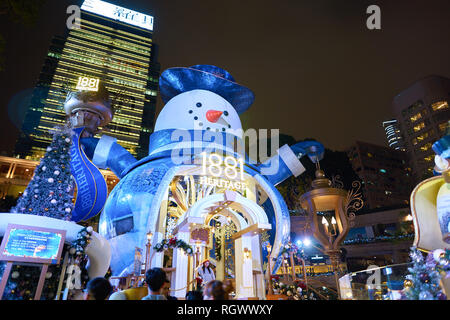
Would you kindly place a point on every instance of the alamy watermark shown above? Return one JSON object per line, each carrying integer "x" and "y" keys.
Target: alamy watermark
{"x": 73, "y": 21}
{"x": 374, "y": 20}
{"x": 257, "y": 144}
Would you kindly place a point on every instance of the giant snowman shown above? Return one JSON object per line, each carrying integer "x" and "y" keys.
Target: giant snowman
{"x": 201, "y": 113}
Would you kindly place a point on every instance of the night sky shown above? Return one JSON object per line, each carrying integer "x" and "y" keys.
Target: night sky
{"x": 315, "y": 68}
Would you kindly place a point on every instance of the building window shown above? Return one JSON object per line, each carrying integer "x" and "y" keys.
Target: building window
{"x": 422, "y": 137}
{"x": 415, "y": 117}
{"x": 426, "y": 146}
{"x": 443, "y": 126}
{"x": 441, "y": 105}
{"x": 419, "y": 127}
{"x": 412, "y": 108}
{"x": 429, "y": 158}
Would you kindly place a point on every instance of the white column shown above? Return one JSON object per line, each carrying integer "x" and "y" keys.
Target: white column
{"x": 179, "y": 278}
{"x": 157, "y": 257}
{"x": 260, "y": 284}
{"x": 159, "y": 234}
{"x": 244, "y": 268}
{"x": 203, "y": 253}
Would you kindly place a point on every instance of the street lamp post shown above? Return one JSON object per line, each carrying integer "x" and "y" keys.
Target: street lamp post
{"x": 291, "y": 258}
{"x": 300, "y": 255}
{"x": 269, "y": 269}
{"x": 328, "y": 215}
{"x": 197, "y": 254}
{"x": 147, "y": 252}
{"x": 305, "y": 278}
{"x": 285, "y": 273}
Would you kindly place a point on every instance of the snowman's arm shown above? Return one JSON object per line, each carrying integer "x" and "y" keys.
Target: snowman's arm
{"x": 442, "y": 157}
{"x": 287, "y": 162}
{"x": 107, "y": 153}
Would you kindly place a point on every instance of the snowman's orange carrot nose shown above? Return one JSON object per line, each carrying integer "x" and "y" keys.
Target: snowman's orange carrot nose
{"x": 213, "y": 115}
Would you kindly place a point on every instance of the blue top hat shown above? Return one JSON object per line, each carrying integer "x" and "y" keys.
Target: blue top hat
{"x": 174, "y": 81}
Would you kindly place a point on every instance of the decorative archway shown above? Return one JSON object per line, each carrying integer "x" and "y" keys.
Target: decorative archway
{"x": 248, "y": 257}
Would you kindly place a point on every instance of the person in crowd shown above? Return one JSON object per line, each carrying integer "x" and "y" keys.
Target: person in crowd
{"x": 166, "y": 290}
{"x": 228, "y": 287}
{"x": 98, "y": 289}
{"x": 194, "y": 295}
{"x": 214, "y": 291}
{"x": 205, "y": 272}
{"x": 155, "y": 278}
{"x": 118, "y": 295}
{"x": 168, "y": 269}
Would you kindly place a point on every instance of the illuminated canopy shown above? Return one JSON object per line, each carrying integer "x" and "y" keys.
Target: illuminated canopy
{"x": 118, "y": 13}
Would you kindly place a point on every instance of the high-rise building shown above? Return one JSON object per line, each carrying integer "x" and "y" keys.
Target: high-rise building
{"x": 422, "y": 111}
{"x": 384, "y": 173}
{"x": 112, "y": 44}
{"x": 393, "y": 135}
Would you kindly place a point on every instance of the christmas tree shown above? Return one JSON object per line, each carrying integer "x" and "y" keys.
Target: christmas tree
{"x": 49, "y": 191}
{"x": 424, "y": 279}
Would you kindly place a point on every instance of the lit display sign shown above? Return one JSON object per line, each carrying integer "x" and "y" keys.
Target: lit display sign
{"x": 88, "y": 84}
{"x": 32, "y": 244}
{"x": 221, "y": 169}
{"x": 217, "y": 166}
{"x": 221, "y": 183}
{"x": 118, "y": 13}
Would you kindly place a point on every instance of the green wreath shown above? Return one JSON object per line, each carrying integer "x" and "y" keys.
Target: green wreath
{"x": 172, "y": 243}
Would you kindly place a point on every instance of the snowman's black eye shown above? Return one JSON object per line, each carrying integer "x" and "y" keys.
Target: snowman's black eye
{"x": 208, "y": 128}
{"x": 195, "y": 118}
{"x": 190, "y": 111}
{"x": 225, "y": 113}
{"x": 229, "y": 126}
{"x": 198, "y": 104}
{"x": 223, "y": 129}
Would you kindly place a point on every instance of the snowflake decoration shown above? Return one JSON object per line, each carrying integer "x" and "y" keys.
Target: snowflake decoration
{"x": 264, "y": 237}
{"x": 170, "y": 225}
{"x": 230, "y": 229}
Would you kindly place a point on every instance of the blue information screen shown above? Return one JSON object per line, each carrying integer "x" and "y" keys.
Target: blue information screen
{"x": 32, "y": 245}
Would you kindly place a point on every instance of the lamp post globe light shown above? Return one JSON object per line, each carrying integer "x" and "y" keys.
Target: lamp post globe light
{"x": 147, "y": 253}
{"x": 330, "y": 214}
{"x": 269, "y": 268}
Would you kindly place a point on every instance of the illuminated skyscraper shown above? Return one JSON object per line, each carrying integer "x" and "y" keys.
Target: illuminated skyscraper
{"x": 422, "y": 111}
{"x": 115, "y": 45}
{"x": 393, "y": 135}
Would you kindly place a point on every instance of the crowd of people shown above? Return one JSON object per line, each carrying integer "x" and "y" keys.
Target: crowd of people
{"x": 158, "y": 286}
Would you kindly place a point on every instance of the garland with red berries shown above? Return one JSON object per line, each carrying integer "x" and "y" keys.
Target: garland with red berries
{"x": 172, "y": 243}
